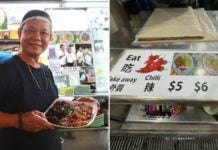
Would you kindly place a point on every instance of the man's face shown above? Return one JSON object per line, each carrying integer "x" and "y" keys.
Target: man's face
{"x": 34, "y": 36}
{"x": 69, "y": 49}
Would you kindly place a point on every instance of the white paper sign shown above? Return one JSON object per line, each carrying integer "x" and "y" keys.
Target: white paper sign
{"x": 72, "y": 75}
{"x": 161, "y": 73}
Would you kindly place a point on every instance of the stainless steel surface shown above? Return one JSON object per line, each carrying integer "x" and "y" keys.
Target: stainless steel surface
{"x": 85, "y": 129}
{"x": 119, "y": 112}
{"x": 85, "y": 140}
{"x": 128, "y": 99}
{"x": 188, "y": 115}
{"x": 163, "y": 142}
{"x": 191, "y": 120}
{"x": 178, "y": 128}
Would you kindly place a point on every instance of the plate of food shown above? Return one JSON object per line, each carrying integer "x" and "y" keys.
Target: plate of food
{"x": 210, "y": 63}
{"x": 85, "y": 37}
{"x": 183, "y": 63}
{"x": 54, "y": 38}
{"x": 71, "y": 114}
{"x": 90, "y": 100}
{"x": 68, "y": 37}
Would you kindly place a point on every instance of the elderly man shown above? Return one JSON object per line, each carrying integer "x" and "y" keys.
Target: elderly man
{"x": 27, "y": 89}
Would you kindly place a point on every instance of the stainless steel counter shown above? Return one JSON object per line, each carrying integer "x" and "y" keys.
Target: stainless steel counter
{"x": 96, "y": 139}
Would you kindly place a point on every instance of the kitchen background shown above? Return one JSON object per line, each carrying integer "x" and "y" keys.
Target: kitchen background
{"x": 76, "y": 24}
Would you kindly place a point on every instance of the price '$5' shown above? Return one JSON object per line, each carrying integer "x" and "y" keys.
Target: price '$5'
{"x": 177, "y": 86}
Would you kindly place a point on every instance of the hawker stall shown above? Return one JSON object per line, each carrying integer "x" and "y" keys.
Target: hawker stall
{"x": 163, "y": 84}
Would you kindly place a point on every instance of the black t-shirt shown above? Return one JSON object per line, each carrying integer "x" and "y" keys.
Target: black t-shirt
{"x": 19, "y": 93}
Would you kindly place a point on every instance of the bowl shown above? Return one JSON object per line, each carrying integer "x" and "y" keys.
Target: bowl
{"x": 85, "y": 37}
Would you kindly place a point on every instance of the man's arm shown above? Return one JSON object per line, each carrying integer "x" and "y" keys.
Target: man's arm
{"x": 32, "y": 121}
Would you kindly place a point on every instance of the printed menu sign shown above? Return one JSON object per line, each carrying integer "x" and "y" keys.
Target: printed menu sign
{"x": 166, "y": 73}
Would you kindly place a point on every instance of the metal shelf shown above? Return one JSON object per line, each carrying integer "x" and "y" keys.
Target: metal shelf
{"x": 164, "y": 142}
{"x": 128, "y": 99}
{"x": 192, "y": 119}
{"x": 85, "y": 129}
{"x": 188, "y": 115}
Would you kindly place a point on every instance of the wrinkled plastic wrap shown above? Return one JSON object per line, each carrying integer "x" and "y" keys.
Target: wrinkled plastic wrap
{"x": 177, "y": 25}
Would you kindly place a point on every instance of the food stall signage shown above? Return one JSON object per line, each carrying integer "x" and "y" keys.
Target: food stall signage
{"x": 165, "y": 73}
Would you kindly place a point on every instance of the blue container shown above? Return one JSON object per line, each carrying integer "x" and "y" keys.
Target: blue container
{"x": 4, "y": 55}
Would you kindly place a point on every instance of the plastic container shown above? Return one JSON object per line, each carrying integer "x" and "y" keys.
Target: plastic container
{"x": 66, "y": 91}
{"x": 4, "y": 55}
{"x": 73, "y": 104}
{"x": 98, "y": 122}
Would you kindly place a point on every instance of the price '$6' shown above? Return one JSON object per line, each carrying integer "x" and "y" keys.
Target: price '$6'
{"x": 200, "y": 86}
